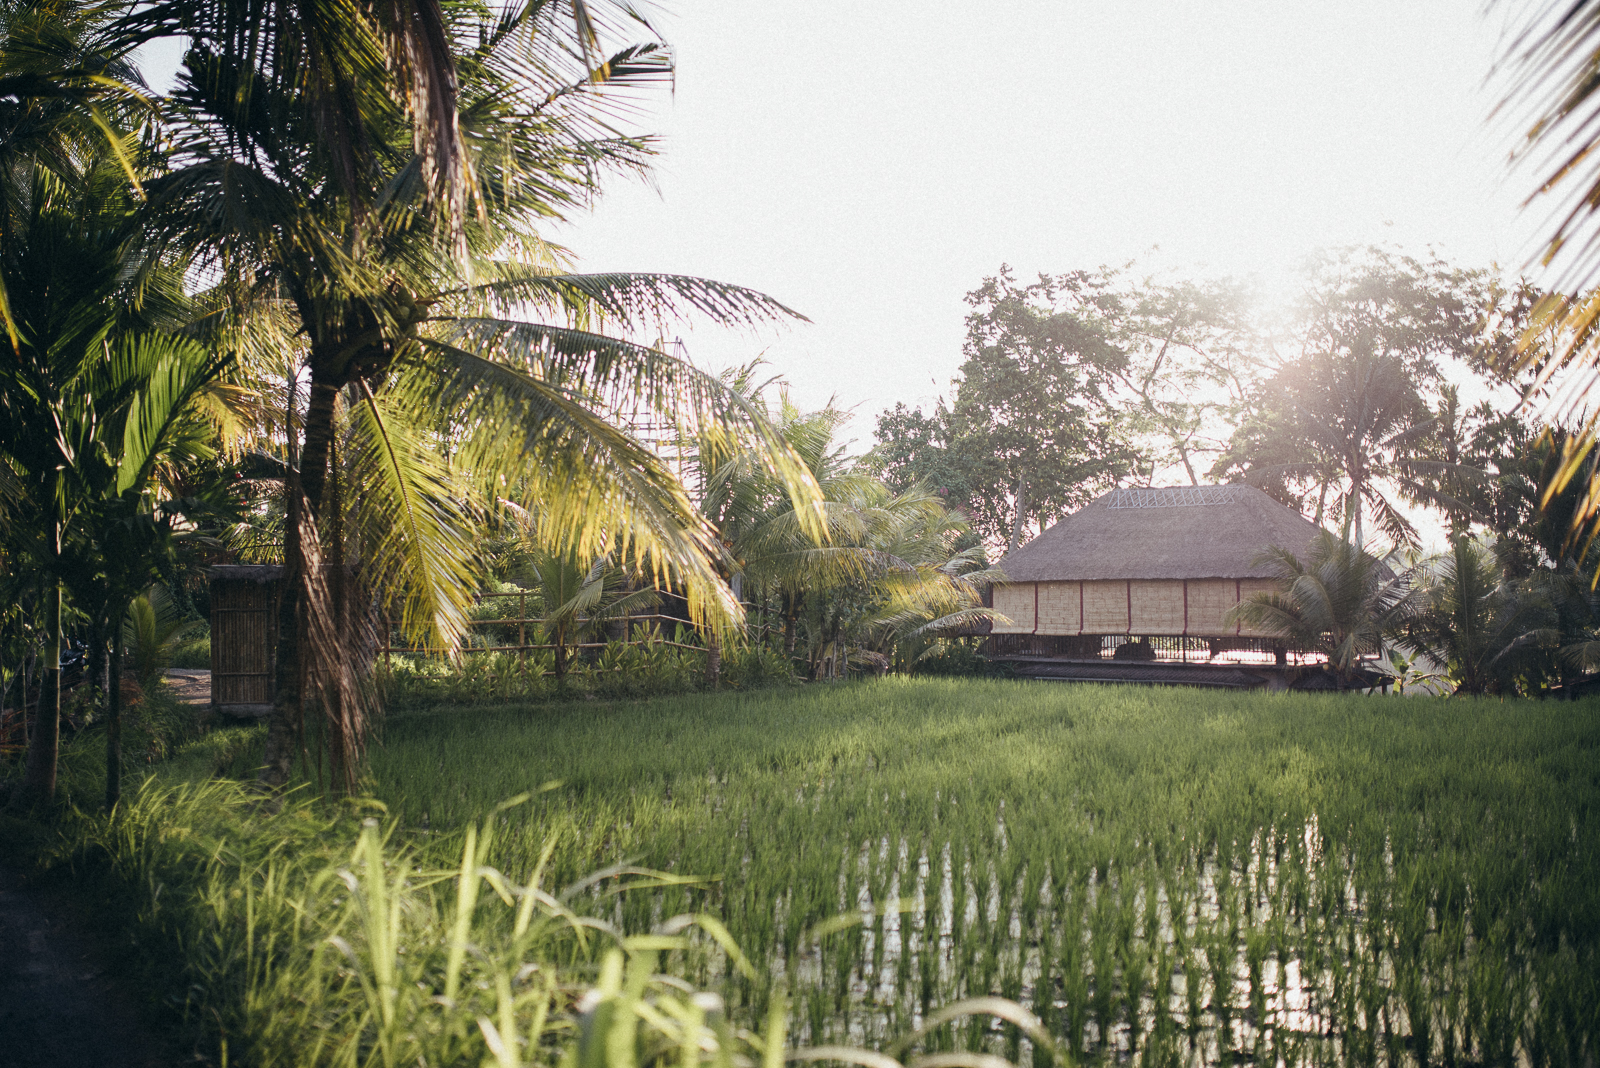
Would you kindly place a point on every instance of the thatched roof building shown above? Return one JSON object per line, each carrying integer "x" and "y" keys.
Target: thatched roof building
{"x": 1148, "y": 562}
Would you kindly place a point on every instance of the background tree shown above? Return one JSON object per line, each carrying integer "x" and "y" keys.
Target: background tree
{"x": 1034, "y": 429}
{"x": 1194, "y": 360}
{"x": 1344, "y": 422}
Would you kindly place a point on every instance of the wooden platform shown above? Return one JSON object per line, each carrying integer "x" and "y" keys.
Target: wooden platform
{"x": 1149, "y": 672}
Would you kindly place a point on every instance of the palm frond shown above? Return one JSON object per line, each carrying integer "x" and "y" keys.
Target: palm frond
{"x": 414, "y": 535}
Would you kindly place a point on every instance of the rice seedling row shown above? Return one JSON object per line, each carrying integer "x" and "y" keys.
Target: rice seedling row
{"x": 1166, "y": 876}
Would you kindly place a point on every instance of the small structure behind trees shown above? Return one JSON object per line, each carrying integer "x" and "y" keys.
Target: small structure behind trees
{"x": 244, "y": 615}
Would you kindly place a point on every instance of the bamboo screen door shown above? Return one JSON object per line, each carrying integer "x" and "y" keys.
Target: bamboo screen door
{"x": 243, "y": 614}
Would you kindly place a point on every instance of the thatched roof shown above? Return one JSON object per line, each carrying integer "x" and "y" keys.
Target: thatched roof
{"x": 1182, "y": 532}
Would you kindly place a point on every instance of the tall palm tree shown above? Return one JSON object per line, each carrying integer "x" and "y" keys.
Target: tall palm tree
{"x": 397, "y": 226}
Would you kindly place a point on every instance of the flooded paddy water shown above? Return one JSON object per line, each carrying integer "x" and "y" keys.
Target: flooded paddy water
{"x": 1164, "y": 877}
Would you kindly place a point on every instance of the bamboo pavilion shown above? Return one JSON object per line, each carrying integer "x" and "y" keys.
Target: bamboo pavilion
{"x": 1147, "y": 575}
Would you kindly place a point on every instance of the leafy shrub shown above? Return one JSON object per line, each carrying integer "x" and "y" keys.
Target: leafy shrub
{"x": 757, "y": 665}
{"x": 193, "y": 652}
{"x": 958, "y": 660}
{"x": 649, "y": 668}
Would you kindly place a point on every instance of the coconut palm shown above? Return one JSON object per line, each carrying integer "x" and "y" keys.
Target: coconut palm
{"x": 774, "y": 550}
{"x": 396, "y": 227}
{"x": 1552, "y": 95}
{"x": 1347, "y": 423}
{"x": 575, "y": 598}
{"x": 1460, "y": 622}
{"x": 938, "y": 596}
{"x": 1340, "y": 600}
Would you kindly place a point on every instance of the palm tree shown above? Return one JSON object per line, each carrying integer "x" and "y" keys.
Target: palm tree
{"x": 1552, "y": 96}
{"x": 1340, "y": 600}
{"x": 68, "y": 99}
{"x": 574, "y": 598}
{"x": 1460, "y": 622}
{"x": 937, "y": 594}
{"x": 398, "y": 231}
{"x": 94, "y": 401}
{"x": 1346, "y": 422}
{"x": 772, "y": 548}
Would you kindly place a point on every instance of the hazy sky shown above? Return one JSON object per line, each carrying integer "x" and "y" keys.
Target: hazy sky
{"x": 868, "y": 163}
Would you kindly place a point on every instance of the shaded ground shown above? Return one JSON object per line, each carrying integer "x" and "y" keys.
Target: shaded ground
{"x": 59, "y": 1006}
{"x": 190, "y": 685}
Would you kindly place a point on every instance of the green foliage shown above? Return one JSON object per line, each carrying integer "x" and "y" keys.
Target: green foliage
{"x": 153, "y": 632}
{"x": 1463, "y": 623}
{"x": 647, "y": 668}
{"x": 193, "y": 652}
{"x": 1033, "y": 431}
{"x": 955, "y": 659}
{"x": 1349, "y": 415}
{"x": 306, "y": 938}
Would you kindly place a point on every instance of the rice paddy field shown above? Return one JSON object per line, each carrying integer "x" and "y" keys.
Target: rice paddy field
{"x": 1167, "y": 876}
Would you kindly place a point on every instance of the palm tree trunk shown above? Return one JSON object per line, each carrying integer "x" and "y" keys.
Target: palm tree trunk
{"x": 283, "y": 722}
{"x": 791, "y": 609}
{"x": 44, "y": 740}
{"x": 318, "y": 443}
{"x": 303, "y": 491}
{"x": 114, "y": 719}
{"x": 1356, "y": 484}
{"x": 559, "y": 639}
{"x": 713, "y": 658}
{"x": 95, "y": 667}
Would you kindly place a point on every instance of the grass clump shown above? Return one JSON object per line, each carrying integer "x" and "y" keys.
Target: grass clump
{"x": 1077, "y": 874}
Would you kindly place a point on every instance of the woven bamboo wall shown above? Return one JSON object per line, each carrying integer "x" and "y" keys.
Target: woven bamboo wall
{"x": 1105, "y": 607}
{"x": 1151, "y": 608}
{"x": 1015, "y": 602}
{"x": 1157, "y": 607}
{"x": 1249, "y": 588}
{"x": 1060, "y": 608}
{"x": 1209, "y": 603}
{"x": 242, "y": 614}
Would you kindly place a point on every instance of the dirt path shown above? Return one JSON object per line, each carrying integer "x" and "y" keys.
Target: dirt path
{"x": 58, "y": 1005}
{"x": 190, "y": 685}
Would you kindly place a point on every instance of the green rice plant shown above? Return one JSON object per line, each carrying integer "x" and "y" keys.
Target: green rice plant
{"x": 1159, "y": 876}
{"x": 306, "y": 936}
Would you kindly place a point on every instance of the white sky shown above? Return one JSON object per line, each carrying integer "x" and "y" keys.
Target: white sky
{"x": 869, "y": 163}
